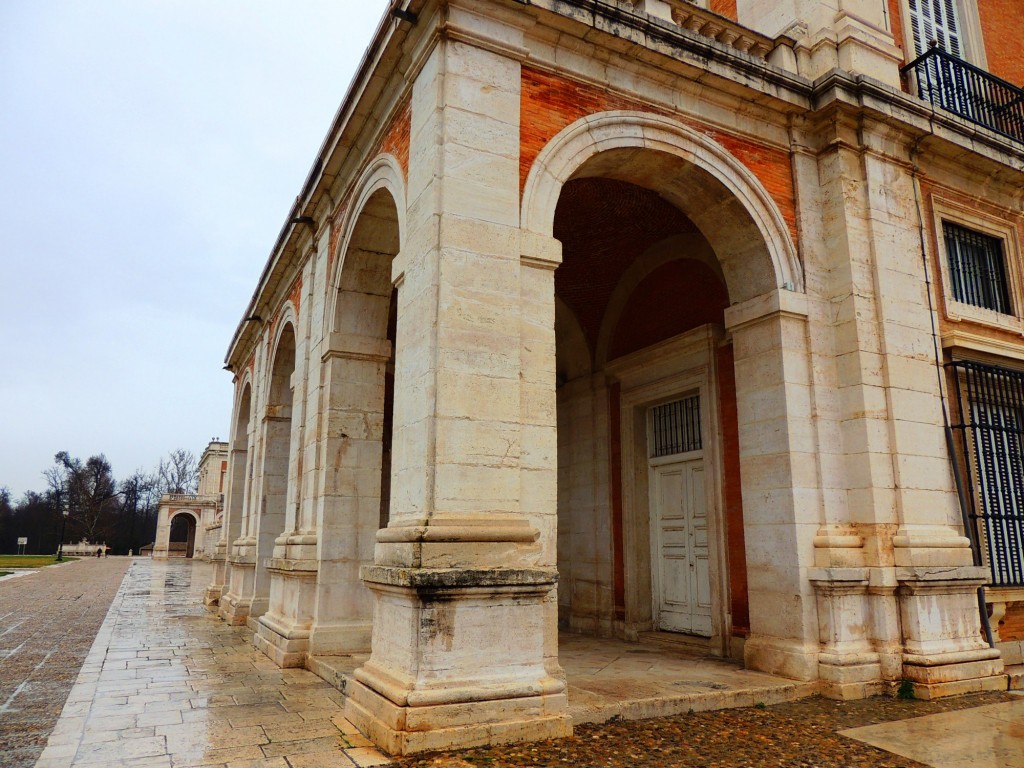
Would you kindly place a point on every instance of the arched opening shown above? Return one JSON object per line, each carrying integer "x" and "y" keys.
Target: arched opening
{"x": 239, "y": 469}
{"x": 183, "y": 536}
{"x": 650, "y": 528}
{"x": 360, "y": 377}
{"x": 276, "y": 456}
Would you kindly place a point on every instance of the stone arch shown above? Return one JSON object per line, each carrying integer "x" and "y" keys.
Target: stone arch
{"x": 359, "y": 376}
{"x": 284, "y": 346}
{"x": 285, "y": 319}
{"x": 243, "y": 411}
{"x": 270, "y": 520}
{"x": 384, "y": 173}
{"x": 692, "y": 171}
{"x": 239, "y": 464}
{"x": 191, "y": 524}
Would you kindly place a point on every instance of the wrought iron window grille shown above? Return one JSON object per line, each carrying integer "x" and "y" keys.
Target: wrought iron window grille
{"x": 977, "y": 268}
{"x": 987, "y": 414}
{"x": 951, "y": 83}
{"x": 676, "y": 427}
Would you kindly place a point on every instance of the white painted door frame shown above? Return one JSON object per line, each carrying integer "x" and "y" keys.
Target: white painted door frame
{"x": 657, "y": 374}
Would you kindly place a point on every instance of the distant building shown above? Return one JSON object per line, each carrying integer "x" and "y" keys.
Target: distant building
{"x": 701, "y": 317}
{"x": 188, "y": 525}
{"x": 85, "y": 548}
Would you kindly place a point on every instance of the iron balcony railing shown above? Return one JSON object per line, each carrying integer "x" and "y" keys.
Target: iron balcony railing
{"x": 972, "y": 93}
{"x": 987, "y": 409}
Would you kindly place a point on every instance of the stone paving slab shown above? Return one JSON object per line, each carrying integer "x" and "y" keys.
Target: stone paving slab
{"x": 612, "y": 679}
{"x": 168, "y": 685}
{"x": 48, "y": 620}
{"x": 983, "y": 737}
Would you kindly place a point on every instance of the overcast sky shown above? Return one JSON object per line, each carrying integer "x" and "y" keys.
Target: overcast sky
{"x": 149, "y": 153}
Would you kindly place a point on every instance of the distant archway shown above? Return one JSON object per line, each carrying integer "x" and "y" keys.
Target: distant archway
{"x": 183, "y": 535}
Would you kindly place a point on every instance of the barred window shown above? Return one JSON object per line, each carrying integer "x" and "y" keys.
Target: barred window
{"x": 676, "y": 427}
{"x": 988, "y": 415}
{"x": 977, "y": 268}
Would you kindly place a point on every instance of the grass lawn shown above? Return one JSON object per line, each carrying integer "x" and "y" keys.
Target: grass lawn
{"x": 29, "y": 561}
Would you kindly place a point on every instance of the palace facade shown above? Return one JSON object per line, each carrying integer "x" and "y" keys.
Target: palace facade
{"x": 621, "y": 318}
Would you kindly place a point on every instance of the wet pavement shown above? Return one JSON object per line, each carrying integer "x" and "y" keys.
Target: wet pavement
{"x": 48, "y": 619}
{"x": 168, "y": 685}
{"x": 983, "y": 737}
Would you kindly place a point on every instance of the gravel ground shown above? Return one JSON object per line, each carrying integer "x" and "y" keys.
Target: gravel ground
{"x": 48, "y": 621}
{"x": 801, "y": 734}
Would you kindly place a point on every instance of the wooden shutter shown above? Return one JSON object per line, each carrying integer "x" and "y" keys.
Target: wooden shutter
{"x": 935, "y": 20}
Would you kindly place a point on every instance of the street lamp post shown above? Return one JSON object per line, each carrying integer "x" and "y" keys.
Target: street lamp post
{"x": 65, "y": 509}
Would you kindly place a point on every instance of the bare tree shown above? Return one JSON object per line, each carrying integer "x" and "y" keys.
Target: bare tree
{"x": 178, "y": 473}
{"x": 89, "y": 490}
{"x": 139, "y": 503}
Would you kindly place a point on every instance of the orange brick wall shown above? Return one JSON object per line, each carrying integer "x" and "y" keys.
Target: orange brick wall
{"x": 1012, "y": 625}
{"x": 724, "y": 7}
{"x": 551, "y": 103}
{"x": 896, "y": 23}
{"x": 1002, "y": 26}
{"x": 396, "y": 140}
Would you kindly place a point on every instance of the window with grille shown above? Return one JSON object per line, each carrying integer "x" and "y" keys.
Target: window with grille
{"x": 990, "y": 404}
{"x": 675, "y": 427}
{"x": 977, "y": 268}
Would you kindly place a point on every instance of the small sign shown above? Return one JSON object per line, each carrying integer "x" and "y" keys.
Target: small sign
{"x": 22, "y": 541}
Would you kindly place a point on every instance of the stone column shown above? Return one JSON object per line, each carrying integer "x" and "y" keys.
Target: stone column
{"x": 241, "y": 562}
{"x": 231, "y": 523}
{"x": 353, "y": 370}
{"x": 897, "y": 533}
{"x": 781, "y": 489}
{"x": 163, "y": 532}
{"x": 462, "y": 584}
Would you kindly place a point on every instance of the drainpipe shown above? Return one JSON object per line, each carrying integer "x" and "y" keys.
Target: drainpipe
{"x": 961, "y": 492}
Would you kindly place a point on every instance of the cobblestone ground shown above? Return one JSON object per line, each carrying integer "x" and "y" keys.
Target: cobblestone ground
{"x": 801, "y": 734}
{"x": 48, "y": 620}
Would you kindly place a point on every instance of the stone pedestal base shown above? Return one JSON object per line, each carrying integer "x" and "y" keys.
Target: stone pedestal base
{"x": 848, "y": 665}
{"x": 285, "y": 646}
{"x": 236, "y": 604}
{"x": 458, "y": 660}
{"x": 217, "y": 583}
{"x": 404, "y": 730}
{"x": 340, "y": 639}
{"x": 211, "y": 597}
{"x": 978, "y": 672}
{"x": 943, "y": 650}
{"x": 282, "y": 633}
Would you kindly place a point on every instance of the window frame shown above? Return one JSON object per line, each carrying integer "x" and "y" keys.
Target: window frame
{"x": 972, "y": 41}
{"x": 944, "y": 211}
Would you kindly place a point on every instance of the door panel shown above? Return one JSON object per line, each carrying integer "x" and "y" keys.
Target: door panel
{"x": 680, "y": 547}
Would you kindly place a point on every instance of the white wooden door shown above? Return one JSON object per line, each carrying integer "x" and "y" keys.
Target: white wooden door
{"x": 679, "y": 532}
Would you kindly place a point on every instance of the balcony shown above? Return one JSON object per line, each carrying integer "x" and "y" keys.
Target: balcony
{"x": 969, "y": 92}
